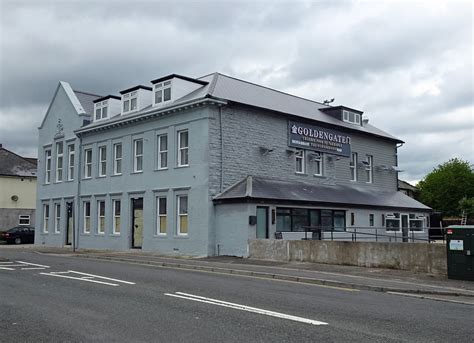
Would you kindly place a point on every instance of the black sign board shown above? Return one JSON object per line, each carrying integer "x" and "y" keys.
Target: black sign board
{"x": 304, "y": 136}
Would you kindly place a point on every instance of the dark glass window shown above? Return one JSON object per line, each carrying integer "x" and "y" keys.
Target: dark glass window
{"x": 297, "y": 219}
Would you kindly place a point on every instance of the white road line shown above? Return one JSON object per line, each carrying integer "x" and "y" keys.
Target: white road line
{"x": 33, "y": 264}
{"x": 80, "y": 279}
{"x": 103, "y": 277}
{"x": 6, "y": 268}
{"x": 244, "y": 308}
{"x": 6, "y": 262}
{"x": 32, "y": 268}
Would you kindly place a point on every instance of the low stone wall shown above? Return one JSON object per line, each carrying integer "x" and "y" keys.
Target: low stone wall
{"x": 419, "y": 257}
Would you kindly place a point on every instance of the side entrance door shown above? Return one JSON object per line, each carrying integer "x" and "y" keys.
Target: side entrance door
{"x": 262, "y": 222}
{"x": 137, "y": 223}
{"x": 69, "y": 222}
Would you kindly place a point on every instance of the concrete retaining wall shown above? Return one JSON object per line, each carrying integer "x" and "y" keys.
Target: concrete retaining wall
{"x": 419, "y": 257}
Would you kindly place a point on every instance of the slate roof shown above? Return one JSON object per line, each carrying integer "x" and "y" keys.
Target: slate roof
{"x": 12, "y": 164}
{"x": 86, "y": 100}
{"x": 405, "y": 185}
{"x": 258, "y": 188}
{"x": 228, "y": 88}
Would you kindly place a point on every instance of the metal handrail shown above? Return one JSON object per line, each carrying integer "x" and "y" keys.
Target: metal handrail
{"x": 376, "y": 234}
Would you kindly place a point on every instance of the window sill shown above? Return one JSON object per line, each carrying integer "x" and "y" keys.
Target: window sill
{"x": 87, "y": 178}
{"x": 101, "y": 176}
{"x": 116, "y": 175}
{"x": 320, "y": 176}
{"x": 137, "y": 172}
{"x": 115, "y": 235}
{"x": 162, "y": 236}
{"x": 181, "y": 236}
{"x": 179, "y": 167}
{"x": 70, "y": 180}
{"x": 99, "y": 234}
{"x": 160, "y": 169}
{"x": 301, "y": 174}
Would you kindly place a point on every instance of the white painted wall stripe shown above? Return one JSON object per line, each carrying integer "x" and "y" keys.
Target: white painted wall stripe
{"x": 244, "y": 308}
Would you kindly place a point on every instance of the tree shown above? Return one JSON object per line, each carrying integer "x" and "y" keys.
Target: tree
{"x": 466, "y": 205}
{"x": 444, "y": 187}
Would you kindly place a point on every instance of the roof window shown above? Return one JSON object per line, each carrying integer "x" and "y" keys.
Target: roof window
{"x": 101, "y": 111}
{"x": 129, "y": 101}
{"x": 351, "y": 117}
{"x": 162, "y": 92}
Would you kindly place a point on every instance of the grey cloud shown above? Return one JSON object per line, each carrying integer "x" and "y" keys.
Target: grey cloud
{"x": 366, "y": 55}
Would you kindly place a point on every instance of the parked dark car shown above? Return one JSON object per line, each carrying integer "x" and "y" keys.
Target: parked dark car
{"x": 18, "y": 235}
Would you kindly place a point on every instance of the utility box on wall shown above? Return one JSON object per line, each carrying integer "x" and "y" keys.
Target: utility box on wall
{"x": 460, "y": 254}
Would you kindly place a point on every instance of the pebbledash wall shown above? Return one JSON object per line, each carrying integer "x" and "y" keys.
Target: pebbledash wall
{"x": 225, "y": 146}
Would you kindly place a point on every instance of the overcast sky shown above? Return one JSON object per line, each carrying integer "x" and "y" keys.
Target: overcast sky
{"x": 407, "y": 65}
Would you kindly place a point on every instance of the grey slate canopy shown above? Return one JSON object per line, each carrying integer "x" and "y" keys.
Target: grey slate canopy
{"x": 12, "y": 164}
{"x": 222, "y": 87}
{"x": 258, "y": 188}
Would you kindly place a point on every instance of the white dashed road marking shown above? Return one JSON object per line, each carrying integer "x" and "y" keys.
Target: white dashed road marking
{"x": 88, "y": 278}
{"x": 21, "y": 265}
{"x": 244, "y": 308}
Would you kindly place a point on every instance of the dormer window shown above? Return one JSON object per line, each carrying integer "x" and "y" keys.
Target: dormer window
{"x": 101, "y": 110}
{"x": 162, "y": 92}
{"x": 130, "y": 102}
{"x": 351, "y": 117}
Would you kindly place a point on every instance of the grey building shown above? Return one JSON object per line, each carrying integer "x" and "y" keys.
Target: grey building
{"x": 200, "y": 166}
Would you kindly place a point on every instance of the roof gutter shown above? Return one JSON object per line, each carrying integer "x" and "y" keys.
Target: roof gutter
{"x": 150, "y": 114}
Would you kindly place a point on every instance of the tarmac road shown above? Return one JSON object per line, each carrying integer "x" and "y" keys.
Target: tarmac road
{"x": 46, "y": 298}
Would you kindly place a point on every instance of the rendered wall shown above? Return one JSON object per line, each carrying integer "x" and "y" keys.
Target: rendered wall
{"x": 242, "y": 131}
{"x": 418, "y": 257}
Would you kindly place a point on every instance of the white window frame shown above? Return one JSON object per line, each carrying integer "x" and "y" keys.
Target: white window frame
{"x": 159, "y": 89}
{"x": 102, "y": 160}
{"x": 100, "y": 228}
{"x": 136, "y": 156}
{"x": 184, "y": 149}
{"x": 45, "y": 218}
{"x": 128, "y": 99}
{"x": 160, "y": 215}
{"x": 71, "y": 159}
{"x": 101, "y": 110}
{"x": 179, "y": 215}
{"x": 87, "y": 164}
{"x": 48, "y": 159}
{"x": 57, "y": 218}
{"x": 300, "y": 160}
{"x": 369, "y": 168}
{"x": 116, "y": 216}
{"x": 86, "y": 226}
{"x": 162, "y": 153}
{"x": 318, "y": 163}
{"x": 59, "y": 161}
{"x": 24, "y": 217}
{"x": 346, "y": 116}
{"x": 353, "y": 166}
{"x": 118, "y": 160}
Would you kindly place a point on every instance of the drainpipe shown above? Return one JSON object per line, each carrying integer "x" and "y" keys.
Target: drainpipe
{"x": 396, "y": 159}
{"x": 222, "y": 150}
{"x": 78, "y": 196}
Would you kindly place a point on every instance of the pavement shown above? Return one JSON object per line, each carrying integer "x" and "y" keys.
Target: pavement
{"x": 372, "y": 279}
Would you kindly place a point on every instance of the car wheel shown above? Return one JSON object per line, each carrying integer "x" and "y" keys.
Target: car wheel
{"x": 18, "y": 240}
